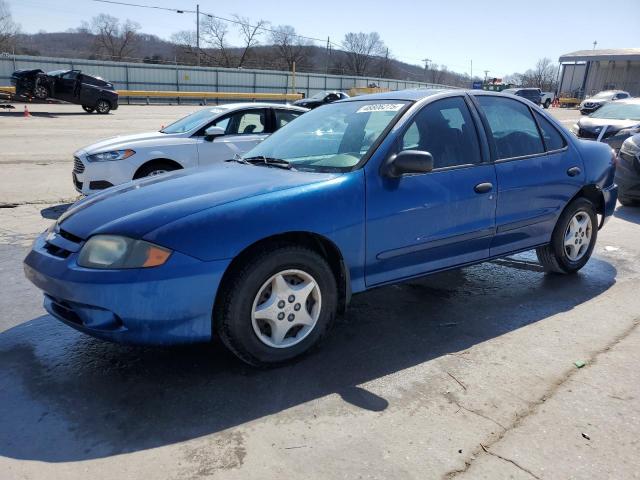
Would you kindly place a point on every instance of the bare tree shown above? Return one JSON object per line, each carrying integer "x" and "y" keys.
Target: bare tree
{"x": 290, "y": 47}
{"x": 214, "y": 33}
{"x": 250, "y": 34}
{"x": 361, "y": 48}
{"x": 114, "y": 39}
{"x": 8, "y": 28}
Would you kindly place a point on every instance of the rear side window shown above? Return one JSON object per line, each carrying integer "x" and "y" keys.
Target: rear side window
{"x": 285, "y": 116}
{"x": 512, "y": 128}
{"x": 445, "y": 129}
{"x": 553, "y": 140}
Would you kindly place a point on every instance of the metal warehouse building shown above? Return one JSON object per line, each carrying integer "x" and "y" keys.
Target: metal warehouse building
{"x": 586, "y": 72}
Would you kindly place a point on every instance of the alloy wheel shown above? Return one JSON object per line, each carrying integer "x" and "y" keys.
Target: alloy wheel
{"x": 577, "y": 237}
{"x": 286, "y": 308}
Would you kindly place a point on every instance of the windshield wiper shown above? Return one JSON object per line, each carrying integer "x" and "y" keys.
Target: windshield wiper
{"x": 269, "y": 161}
{"x": 239, "y": 159}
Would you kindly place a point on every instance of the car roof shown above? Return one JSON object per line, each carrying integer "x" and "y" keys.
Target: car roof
{"x": 406, "y": 95}
{"x": 228, "y": 107}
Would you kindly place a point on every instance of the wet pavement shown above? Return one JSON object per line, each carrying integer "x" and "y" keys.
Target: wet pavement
{"x": 420, "y": 380}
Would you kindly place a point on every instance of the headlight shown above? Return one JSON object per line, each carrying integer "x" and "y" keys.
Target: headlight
{"x": 110, "y": 156}
{"x": 111, "y": 251}
{"x": 574, "y": 129}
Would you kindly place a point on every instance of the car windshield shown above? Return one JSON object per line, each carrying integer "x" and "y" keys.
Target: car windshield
{"x": 334, "y": 137}
{"x": 192, "y": 121}
{"x": 319, "y": 96}
{"x": 618, "y": 111}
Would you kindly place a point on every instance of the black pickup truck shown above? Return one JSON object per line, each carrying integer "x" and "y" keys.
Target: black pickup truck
{"x": 93, "y": 93}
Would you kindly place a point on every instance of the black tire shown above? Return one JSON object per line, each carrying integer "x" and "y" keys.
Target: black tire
{"x": 547, "y": 103}
{"x": 232, "y": 313}
{"x": 155, "y": 167}
{"x": 628, "y": 202}
{"x": 553, "y": 257}
{"x": 103, "y": 106}
{"x": 88, "y": 109}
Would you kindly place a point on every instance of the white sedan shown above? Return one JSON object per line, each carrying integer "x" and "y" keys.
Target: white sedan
{"x": 209, "y": 135}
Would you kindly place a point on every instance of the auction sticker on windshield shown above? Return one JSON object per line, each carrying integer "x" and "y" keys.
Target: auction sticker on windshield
{"x": 381, "y": 107}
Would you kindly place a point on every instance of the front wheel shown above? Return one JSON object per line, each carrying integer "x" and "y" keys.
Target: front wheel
{"x": 103, "y": 107}
{"x": 573, "y": 239}
{"x": 88, "y": 109}
{"x": 547, "y": 103}
{"x": 277, "y": 305}
{"x": 40, "y": 92}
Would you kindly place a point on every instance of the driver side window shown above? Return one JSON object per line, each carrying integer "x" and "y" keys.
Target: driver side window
{"x": 446, "y": 130}
{"x": 244, "y": 123}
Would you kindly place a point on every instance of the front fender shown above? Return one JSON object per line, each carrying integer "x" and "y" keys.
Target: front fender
{"x": 333, "y": 209}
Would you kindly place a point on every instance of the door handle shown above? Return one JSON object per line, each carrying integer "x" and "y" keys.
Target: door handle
{"x": 483, "y": 187}
{"x": 574, "y": 171}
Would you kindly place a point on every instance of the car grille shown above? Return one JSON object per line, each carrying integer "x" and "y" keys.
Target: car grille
{"x": 78, "y": 166}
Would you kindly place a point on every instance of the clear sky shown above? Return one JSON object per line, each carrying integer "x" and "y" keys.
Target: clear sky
{"x": 498, "y": 37}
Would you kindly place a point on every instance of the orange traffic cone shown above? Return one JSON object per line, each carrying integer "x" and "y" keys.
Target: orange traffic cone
{"x": 26, "y": 112}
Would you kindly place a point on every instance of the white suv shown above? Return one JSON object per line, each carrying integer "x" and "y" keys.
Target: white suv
{"x": 209, "y": 135}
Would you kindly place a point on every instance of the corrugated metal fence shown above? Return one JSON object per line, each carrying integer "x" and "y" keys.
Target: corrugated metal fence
{"x": 142, "y": 76}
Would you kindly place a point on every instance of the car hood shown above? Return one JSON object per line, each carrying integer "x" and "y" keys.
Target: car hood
{"x": 129, "y": 141}
{"x": 304, "y": 102}
{"x": 136, "y": 208}
{"x": 595, "y": 124}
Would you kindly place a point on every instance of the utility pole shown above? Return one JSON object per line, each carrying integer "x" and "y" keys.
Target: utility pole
{"x": 198, "y": 32}
{"x": 595, "y": 42}
{"x": 472, "y": 70}
{"x": 486, "y": 72}
{"x": 326, "y": 71}
{"x": 426, "y": 67}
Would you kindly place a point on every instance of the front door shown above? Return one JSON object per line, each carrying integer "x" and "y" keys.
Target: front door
{"x": 243, "y": 131}
{"x": 65, "y": 86}
{"x": 427, "y": 222}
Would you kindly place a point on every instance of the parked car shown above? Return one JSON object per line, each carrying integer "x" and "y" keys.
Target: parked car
{"x": 591, "y": 104}
{"x": 93, "y": 93}
{"x": 263, "y": 252}
{"x": 547, "y": 98}
{"x": 532, "y": 94}
{"x": 205, "y": 137}
{"x": 628, "y": 171}
{"x": 320, "y": 98}
{"x": 611, "y": 124}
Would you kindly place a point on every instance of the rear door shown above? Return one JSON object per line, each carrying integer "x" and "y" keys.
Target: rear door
{"x": 537, "y": 173}
{"x": 244, "y": 129}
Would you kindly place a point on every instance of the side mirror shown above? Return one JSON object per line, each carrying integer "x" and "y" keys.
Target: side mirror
{"x": 213, "y": 132}
{"x": 407, "y": 162}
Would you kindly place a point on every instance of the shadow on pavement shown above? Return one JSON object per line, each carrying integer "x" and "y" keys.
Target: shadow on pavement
{"x": 54, "y": 212}
{"x": 67, "y": 397}
{"x": 19, "y": 112}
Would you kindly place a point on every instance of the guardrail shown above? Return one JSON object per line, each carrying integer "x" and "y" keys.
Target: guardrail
{"x": 147, "y": 94}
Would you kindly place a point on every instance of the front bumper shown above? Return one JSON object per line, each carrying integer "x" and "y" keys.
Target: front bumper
{"x": 589, "y": 109}
{"x": 165, "y": 305}
{"x": 92, "y": 177}
{"x": 628, "y": 179}
{"x": 610, "y": 195}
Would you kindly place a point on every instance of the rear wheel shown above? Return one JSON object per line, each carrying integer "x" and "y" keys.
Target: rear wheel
{"x": 157, "y": 167}
{"x": 277, "y": 305}
{"x": 103, "y": 107}
{"x": 88, "y": 109}
{"x": 573, "y": 239}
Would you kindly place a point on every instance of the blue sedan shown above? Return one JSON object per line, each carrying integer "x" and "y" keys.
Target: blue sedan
{"x": 263, "y": 251}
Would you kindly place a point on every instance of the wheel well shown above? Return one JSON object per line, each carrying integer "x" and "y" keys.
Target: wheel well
{"x": 594, "y": 195}
{"x": 318, "y": 243}
{"x": 155, "y": 162}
